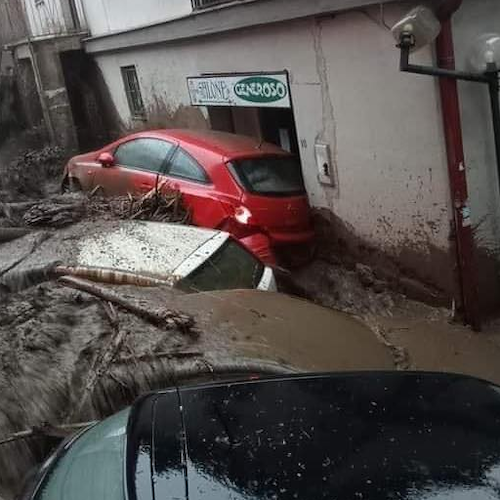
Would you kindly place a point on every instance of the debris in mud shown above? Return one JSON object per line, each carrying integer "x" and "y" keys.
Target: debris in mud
{"x": 26, "y": 175}
{"x": 365, "y": 275}
{"x": 355, "y": 291}
{"x": 53, "y": 213}
{"x": 155, "y": 206}
{"x": 54, "y": 210}
{"x": 62, "y": 210}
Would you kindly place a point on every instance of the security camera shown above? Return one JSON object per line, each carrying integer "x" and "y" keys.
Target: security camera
{"x": 418, "y": 28}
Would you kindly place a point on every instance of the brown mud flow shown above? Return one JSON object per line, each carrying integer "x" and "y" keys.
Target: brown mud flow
{"x": 69, "y": 355}
{"x": 64, "y": 359}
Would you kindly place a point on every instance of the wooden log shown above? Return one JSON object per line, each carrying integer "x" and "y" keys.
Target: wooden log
{"x": 12, "y": 233}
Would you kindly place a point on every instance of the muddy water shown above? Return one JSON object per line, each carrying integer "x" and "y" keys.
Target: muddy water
{"x": 262, "y": 324}
{"x": 51, "y": 339}
{"x": 437, "y": 345}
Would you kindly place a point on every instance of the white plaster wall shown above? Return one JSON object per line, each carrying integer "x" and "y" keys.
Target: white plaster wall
{"x": 384, "y": 127}
{"x": 474, "y": 18}
{"x": 391, "y": 157}
{"x": 104, "y": 16}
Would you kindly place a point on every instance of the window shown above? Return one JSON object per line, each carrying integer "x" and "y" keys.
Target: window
{"x": 272, "y": 175}
{"x": 74, "y": 15}
{"x": 145, "y": 154}
{"x": 230, "y": 268}
{"x": 92, "y": 467}
{"x": 204, "y": 4}
{"x": 133, "y": 91}
{"x": 184, "y": 166}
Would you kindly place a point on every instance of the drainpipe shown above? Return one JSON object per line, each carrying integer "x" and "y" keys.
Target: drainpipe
{"x": 456, "y": 167}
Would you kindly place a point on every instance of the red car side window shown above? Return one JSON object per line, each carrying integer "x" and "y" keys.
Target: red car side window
{"x": 144, "y": 154}
{"x": 182, "y": 165}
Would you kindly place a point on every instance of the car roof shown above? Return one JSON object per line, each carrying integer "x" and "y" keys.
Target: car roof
{"x": 223, "y": 143}
{"x": 154, "y": 249}
{"x": 147, "y": 248}
{"x": 358, "y": 435}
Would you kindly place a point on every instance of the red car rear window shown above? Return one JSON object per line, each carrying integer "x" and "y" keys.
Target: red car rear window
{"x": 269, "y": 175}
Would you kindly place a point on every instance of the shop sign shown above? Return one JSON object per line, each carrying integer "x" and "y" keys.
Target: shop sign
{"x": 257, "y": 90}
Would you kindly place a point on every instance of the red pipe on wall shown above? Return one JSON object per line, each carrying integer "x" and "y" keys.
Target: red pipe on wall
{"x": 456, "y": 168}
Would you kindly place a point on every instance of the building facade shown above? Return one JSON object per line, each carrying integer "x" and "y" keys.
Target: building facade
{"x": 56, "y": 79}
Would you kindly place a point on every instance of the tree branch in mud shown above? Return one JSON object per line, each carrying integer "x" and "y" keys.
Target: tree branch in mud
{"x": 46, "y": 430}
{"x": 151, "y": 356}
{"x": 17, "y": 281}
{"x": 103, "y": 360}
{"x": 165, "y": 318}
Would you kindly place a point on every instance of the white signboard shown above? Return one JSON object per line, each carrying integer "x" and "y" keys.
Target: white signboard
{"x": 269, "y": 90}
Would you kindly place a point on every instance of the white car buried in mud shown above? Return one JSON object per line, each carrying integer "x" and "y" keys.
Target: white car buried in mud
{"x": 190, "y": 258}
{"x": 140, "y": 253}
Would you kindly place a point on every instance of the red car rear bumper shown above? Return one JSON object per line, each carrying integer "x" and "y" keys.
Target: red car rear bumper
{"x": 260, "y": 245}
{"x": 278, "y": 238}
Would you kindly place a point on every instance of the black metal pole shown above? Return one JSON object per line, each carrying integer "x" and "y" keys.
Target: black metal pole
{"x": 404, "y": 65}
{"x": 494, "y": 87}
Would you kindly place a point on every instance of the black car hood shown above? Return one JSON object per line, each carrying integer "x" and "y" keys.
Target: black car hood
{"x": 347, "y": 436}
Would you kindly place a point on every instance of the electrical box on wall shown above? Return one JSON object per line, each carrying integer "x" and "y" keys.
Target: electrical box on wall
{"x": 324, "y": 164}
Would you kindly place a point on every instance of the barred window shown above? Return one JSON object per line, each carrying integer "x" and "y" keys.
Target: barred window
{"x": 133, "y": 91}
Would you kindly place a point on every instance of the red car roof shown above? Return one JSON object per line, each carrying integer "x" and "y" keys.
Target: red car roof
{"x": 222, "y": 143}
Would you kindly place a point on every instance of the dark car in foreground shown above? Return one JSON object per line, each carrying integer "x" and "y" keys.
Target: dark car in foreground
{"x": 387, "y": 435}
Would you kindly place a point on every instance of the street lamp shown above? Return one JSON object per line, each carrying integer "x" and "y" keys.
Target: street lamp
{"x": 420, "y": 27}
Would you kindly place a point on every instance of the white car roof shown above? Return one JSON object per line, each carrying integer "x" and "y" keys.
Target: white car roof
{"x": 147, "y": 248}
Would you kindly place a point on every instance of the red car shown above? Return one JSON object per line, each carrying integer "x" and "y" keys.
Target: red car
{"x": 234, "y": 183}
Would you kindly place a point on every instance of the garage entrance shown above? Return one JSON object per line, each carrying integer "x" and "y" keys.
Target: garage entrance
{"x": 254, "y": 104}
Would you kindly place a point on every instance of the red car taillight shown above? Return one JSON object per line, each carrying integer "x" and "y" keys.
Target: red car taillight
{"x": 241, "y": 224}
{"x": 239, "y": 230}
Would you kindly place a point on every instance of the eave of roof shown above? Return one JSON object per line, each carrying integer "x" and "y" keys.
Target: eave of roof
{"x": 221, "y": 19}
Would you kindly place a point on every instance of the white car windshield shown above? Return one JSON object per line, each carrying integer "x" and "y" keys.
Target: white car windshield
{"x": 230, "y": 267}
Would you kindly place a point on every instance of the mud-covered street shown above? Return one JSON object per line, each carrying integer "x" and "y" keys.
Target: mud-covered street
{"x": 70, "y": 354}
{"x": 249, "y": 250}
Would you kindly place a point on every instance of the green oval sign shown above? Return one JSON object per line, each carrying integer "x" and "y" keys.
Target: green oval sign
{"x": 260, "y": 89}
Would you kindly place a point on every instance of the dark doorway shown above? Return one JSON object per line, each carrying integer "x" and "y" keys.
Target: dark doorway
{"x": 274, "y": 125}
{"x": 94, "y": 119}
{"x": 278, "y": 127}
